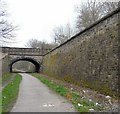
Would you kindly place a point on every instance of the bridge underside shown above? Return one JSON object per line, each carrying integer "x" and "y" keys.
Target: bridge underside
{"x": 36, "y": 64}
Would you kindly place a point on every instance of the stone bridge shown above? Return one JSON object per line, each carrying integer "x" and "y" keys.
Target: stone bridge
{"x": 33, "y": 55}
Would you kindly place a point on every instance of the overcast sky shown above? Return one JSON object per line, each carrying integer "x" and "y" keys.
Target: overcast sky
{"x": 37, "y": 18}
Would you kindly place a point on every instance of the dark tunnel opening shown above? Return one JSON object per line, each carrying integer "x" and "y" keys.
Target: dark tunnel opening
{"x": 34, "y": 62}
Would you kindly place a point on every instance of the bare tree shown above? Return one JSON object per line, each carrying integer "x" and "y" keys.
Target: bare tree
{"x": 91, "y": 11}
{"x": 34, "y": 43}
{"x": 6, "y": 29}
{"x": 68, "y": 30}
{"x": 62, "y": 34}
{"x": 109, "y": 7}
{"x": 59, "y": 35}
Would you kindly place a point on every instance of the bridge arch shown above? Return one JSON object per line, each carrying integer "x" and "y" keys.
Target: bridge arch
{"x": 37, "y": 64}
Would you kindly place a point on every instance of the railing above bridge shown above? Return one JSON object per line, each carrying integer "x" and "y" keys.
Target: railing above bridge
{"x": 24, "y": 51}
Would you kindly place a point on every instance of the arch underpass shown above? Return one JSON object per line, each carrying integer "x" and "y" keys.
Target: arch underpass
{"x": 36, "y": 64}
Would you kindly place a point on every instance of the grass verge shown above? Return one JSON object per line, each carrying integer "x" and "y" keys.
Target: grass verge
{"x": 81, "y": 104}
{"x": 0, "y": 102}
{"x": 10, "y": 93}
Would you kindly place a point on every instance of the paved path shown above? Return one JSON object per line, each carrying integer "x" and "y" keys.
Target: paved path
{"x": 36, "y": 97}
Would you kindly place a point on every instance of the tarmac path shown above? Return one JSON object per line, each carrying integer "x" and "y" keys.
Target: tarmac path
{"x": 34, "y": 96}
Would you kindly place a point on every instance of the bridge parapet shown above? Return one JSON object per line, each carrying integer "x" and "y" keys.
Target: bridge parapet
{"x": 24, "y": 51}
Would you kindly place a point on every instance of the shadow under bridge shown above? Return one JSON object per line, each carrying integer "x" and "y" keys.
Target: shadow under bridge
{"x": 36, "y": 64}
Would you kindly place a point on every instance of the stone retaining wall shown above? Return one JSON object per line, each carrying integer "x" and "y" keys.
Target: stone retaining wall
{"x": 4, "y": 63}
{"x": 90, "y": 58}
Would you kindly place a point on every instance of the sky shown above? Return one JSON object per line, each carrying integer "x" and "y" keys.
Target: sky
{"x": 37, "y": 18}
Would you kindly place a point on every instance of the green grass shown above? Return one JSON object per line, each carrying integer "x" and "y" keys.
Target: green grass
{"x": 0, "y": 102}
{"x": 0, "y": 80}
{"x": 81, "y": 104}
{"x": 6, "y": 77}
{"x": 10, "y": 93}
